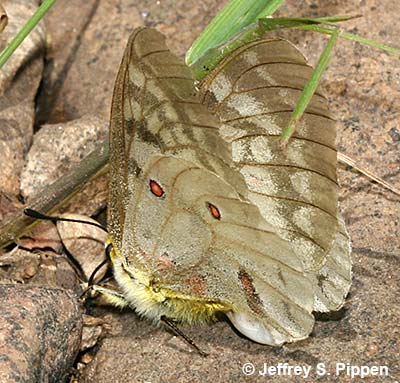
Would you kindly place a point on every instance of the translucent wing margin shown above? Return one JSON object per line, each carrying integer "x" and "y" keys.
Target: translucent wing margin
{"x": 334, "y": 278}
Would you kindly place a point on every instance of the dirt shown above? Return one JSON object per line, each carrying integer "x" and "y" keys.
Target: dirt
{"x": 84, "y": 47}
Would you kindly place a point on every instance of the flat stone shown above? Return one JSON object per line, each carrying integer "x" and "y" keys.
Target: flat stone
{"x": 55, "y": 150}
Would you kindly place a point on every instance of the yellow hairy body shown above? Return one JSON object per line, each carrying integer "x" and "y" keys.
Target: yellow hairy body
{"x": 153, "y": 301}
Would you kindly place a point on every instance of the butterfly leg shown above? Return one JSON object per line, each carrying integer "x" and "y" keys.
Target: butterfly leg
{"x": 170, "y": 323}
{"x": 113, "y": 297}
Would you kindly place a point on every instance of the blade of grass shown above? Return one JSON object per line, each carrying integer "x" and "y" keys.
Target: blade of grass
{"x": 210, "y": 59}
{"x": 236, "y": 15}
{"x": 349, "y": 161}
{"x": 25, "y": 30}
{"x": 309, "y": 89}
{"x": 312, "y": 85}
{"x": 353, "y": 37}
{"x": 272, "y": 24}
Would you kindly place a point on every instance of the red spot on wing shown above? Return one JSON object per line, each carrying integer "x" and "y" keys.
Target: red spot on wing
{"x": 253, "y": 299}
{"x": 214, "y": 211}
{"x": 156, "y": 189}
{"x": 247, "y": 283}
{"x": 164, "y": 262}
{"x": 197, "y": 284}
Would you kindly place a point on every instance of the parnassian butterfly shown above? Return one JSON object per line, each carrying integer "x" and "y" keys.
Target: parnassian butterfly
{"x": 208, "y": 213}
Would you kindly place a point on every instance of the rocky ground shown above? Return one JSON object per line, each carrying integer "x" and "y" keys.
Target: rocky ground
{"x": 84, "y": 42}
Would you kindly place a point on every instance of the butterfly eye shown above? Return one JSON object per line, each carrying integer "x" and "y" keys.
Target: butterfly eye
{"x": 156, "y": 189}
{"x": 214, "y": 211}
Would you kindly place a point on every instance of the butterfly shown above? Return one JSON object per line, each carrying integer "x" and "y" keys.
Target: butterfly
{"x": 208, "y": 213}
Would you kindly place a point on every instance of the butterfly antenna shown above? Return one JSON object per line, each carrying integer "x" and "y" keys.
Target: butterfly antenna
{"x": 91, "y": 279}
{"x": 37, "y": 215}
{"x": 95, "y": 271}
{"x": 179, "y": 332}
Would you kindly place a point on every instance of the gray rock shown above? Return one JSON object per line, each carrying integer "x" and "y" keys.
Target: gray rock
{"x": 19, "y": 81}
{"x": 40, "y": 333}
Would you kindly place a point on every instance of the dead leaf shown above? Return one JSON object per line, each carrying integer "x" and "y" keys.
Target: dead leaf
{"x": 39, "y": 268}
{"x": 18, "y": 266}
{"x": 45, "y": 235}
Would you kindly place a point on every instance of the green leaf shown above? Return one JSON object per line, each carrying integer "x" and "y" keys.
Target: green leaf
{"x": 210, "y": 59}
{"x": 237, "y": 14}
{"x": 353, "y": 37}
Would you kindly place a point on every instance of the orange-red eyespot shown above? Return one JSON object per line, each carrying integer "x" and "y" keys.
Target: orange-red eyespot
{"x": 156, "y": 189}
{"x": 214, "y": 211}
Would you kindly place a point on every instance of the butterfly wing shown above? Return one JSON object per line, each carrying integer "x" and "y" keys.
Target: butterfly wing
{"x": 155, "y": 111}
{"x": 253, "y": 92}
{"x": 334, "y": 278}
{"x": 203, "y": 241}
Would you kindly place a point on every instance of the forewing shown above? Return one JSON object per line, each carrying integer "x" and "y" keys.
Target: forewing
{"x": 129, "y": 131}
{"x": 155, "y": 111}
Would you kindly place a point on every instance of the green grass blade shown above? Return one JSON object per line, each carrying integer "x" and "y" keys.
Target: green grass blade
{"x": 270, "y": 6}
{"x": 326, "y": 25}
{"x": 353, "y": 37}
{"x": 272, "y": 24}
{"x": 309, "y": 89}
{"x": 236, "y": 15}
{"x": 336, "y": 19}
{"x": 26, "y": 29}
{"x": 210, "y": 59}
